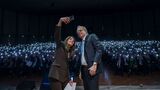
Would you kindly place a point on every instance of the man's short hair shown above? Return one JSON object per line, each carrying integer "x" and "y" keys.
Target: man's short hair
{"x": 82, "y": 28}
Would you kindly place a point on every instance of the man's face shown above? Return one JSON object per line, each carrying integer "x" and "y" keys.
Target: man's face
{"x": 81, "y": 32}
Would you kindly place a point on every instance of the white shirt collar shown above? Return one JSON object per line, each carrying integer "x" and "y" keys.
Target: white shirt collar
{"x": 84, "y": 37}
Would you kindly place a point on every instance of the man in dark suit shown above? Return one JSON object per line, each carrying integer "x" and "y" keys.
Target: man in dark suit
{"x": 91, "y": 52}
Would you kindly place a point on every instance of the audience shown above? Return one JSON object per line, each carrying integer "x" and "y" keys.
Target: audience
{"x": 130, "y": 56}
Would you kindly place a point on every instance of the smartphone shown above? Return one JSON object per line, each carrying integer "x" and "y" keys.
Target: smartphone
{"x": 71, "y": 18}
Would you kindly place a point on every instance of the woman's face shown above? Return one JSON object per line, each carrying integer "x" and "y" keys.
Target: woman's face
{"x": 70, "y": 41}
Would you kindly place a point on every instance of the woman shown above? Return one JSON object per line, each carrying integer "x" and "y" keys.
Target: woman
{"x": 59, "y": 72}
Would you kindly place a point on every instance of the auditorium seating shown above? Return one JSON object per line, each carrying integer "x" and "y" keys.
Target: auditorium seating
{"x": 129, "y": 56}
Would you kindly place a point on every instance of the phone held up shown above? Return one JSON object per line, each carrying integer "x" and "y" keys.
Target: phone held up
{"x": 71, "y": 18}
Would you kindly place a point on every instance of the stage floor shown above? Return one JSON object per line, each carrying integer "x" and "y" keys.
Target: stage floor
{"x": 134, "y": 82}
{"x": 145, "y": 87}
{"x": 125, "y": 87}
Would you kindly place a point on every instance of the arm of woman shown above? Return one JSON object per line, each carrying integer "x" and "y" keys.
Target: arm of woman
{"x": 57, "y": 34}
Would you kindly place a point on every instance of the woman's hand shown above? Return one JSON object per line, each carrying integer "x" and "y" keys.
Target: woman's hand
{"x": 80, "y": 76}
{"x": 64, "y": 20}
{"x": 71, "y": 82}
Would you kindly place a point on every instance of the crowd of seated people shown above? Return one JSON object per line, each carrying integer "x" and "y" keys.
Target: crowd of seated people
{"x": 26, "y": 59}
{"x": 133, "y": 57}
{"x": 130, "y": 56}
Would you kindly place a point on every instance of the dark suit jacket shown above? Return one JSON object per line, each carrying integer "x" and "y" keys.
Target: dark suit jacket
{"x": 74, "y": 66}
{"x": 93, "y": 51}
{"x": 60, "y": 67}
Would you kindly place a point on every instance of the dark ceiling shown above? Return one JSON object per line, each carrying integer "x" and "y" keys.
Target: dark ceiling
{"x": 73, "y": 5}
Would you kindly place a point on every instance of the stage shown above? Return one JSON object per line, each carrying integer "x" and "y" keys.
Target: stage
{"x": 123, "y": 87}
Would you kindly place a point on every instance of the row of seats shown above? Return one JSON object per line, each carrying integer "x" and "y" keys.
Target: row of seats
{"x": 132, "y": 57}
{"x": 23, "y": 59}
{"x": 129, "y": 56}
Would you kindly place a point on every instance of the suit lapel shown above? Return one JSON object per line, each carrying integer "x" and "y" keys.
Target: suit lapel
{"x": 86, "y": 40}
{"x": 85, "y": 49}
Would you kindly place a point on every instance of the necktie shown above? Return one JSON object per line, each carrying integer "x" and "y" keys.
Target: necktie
{"x": 83, "y": 61}
{"x": 82, "y": 47}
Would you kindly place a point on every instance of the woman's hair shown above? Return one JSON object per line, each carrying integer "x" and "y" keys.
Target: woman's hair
{"x": 71, "y": 48}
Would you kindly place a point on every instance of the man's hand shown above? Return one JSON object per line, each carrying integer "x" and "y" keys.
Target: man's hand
{"x": 93, "y": 69}
{"x": 64, "y": 20}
